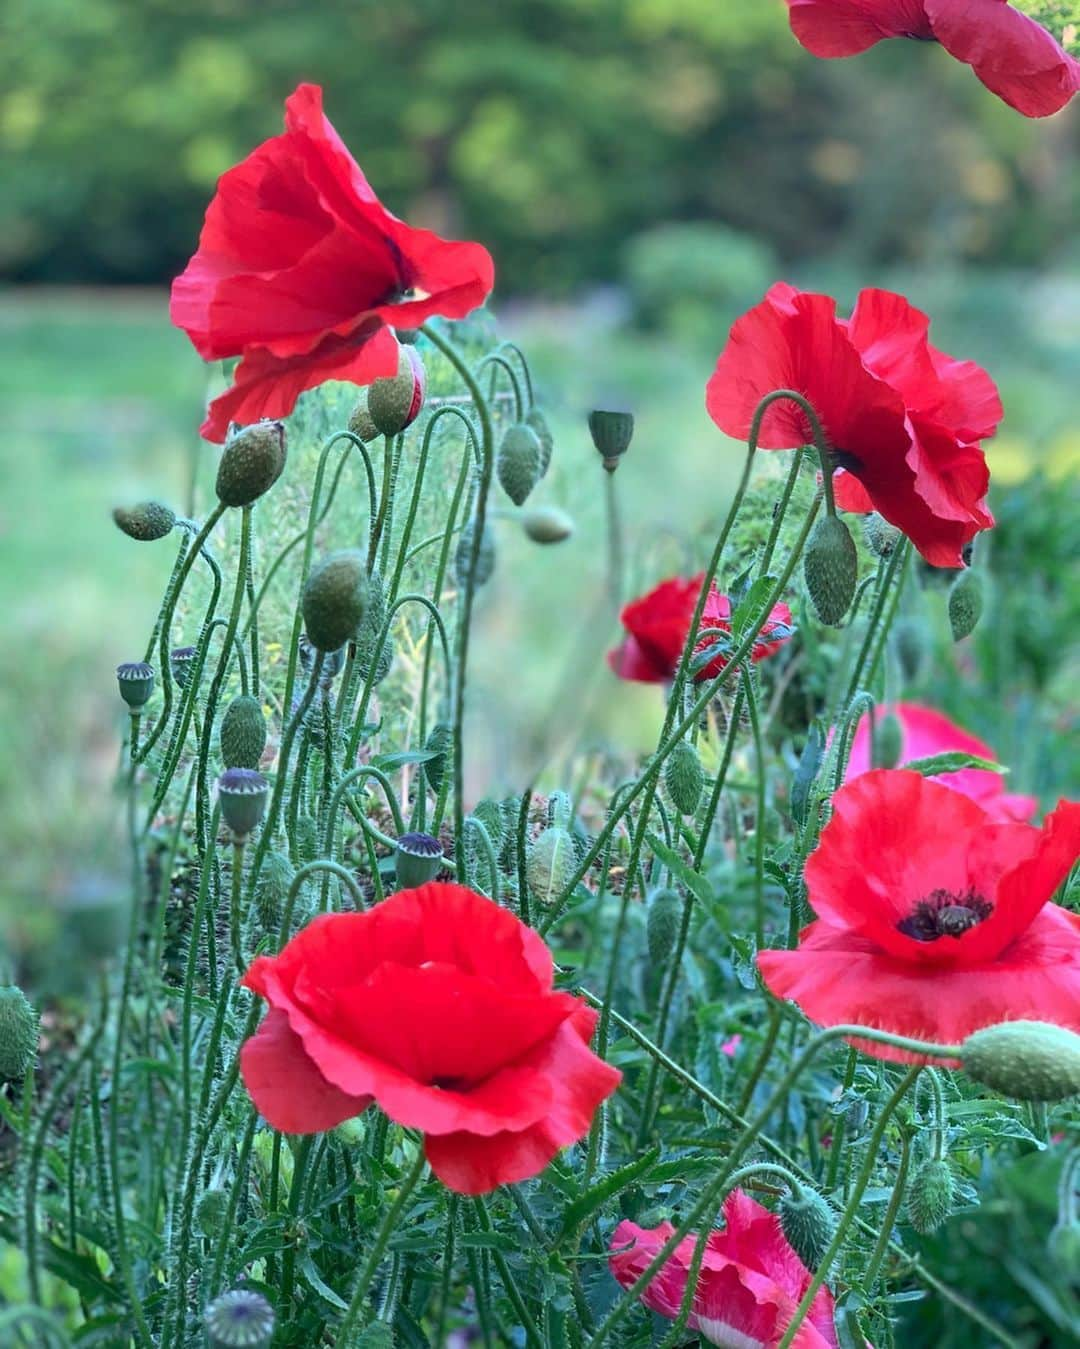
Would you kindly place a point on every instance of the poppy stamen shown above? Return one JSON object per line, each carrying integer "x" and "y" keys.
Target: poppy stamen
{"x": 945, "y": 914}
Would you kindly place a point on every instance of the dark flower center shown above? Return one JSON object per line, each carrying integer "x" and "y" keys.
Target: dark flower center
{"x": 842, "y": 459}
{"x": 945, "y": 914}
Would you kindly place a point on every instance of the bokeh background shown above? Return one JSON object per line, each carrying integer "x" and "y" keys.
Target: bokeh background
{"x": 641, "y": 170}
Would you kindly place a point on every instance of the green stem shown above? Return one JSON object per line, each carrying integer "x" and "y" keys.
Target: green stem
{"x": 889, "y": 1220}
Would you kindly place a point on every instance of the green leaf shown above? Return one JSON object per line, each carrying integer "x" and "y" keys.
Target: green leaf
{"x": 388, "y": 762}
{"x": 594, "y": 1198}
{"x": 807, "y": 771}
{"x": 953, "y": 762}
{"x": 313, "y": 1277}
{"x": 694, "y": 882}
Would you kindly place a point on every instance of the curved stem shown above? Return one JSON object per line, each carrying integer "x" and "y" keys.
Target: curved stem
{"x": 889, "y": 1220}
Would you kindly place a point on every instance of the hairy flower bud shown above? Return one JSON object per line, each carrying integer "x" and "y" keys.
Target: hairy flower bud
{"x": 539, "y": 423}
{"x": 910, "y": 643}
{"x": 965, "y": 604}
{"x": 930, "y": 1196}
{"x": 242, "y": 793}
{"x": 242, "y": 1319}
{"x": 809, "y": 1223}
{"x": 550, "y": 865}
{"x": 662, "y": 922}
{"x": 373, "y": 659}
{"x": 147, "y": 521}
{"x": 888, "y": 741}
{"x": 440, "y": 745}
{"x": 490, "y": 815}
{"x": 335, "y": 599}
{"x": 611, "y": 434}
{"x": 547, "y": 524}
{"x": 684, "y": 777}
{"x": 485, "y": 558}
{"x": 831, "y": 568}
{"x": 135, "y": 679}
{"x": 18, "y": 1033}
{"x": 242, "y": 733}
{"x": 251, "y": 462}
{"x": 211, "y": 1209}
{"x": 1028, "y": 1060}
{"x": 272, "y": 890}
{"x": 418, "y": 859}
{"x": 396, "y": 401}
{"x": 881, "y": 537}
{"x": 518, "y": 462}
{"x": 360, "y": 421}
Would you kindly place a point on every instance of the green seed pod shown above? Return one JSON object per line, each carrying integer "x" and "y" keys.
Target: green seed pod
{"x": 242, "y": 733}
{"x": 242, "y": 1319}
{"x": 242, "y": 793}
{"x": 881, "y": 537}
{"x": 809, "y": 1223}
{"x": 418, "y": 859}
{"x": 910, "y": 642}
{"x": 536, "y": 421}
{"x": 684, "y": 777}
{"x": 335, "y": 599}
{"x": 307, "y": 838}
{"x": 930, "y": 1195}
{"x": 395, "y": 403}
{"x": 662, "y": 922}
{"x": 518, "y": 462}
{"x": 485, "y": 558}
{"x": 547, "y": 524}
{"x": 251, "y": 462}
{"x": 611, "y": 434}
{"x": 831, "y": 568}
{"x": 888, "y": 741}
{"x": 550, "y": 865}
{"x": 135, "y": 680}
{"x": 1028, "y": 1060}
{"x": 18, "y": 1033}
{"x": 360, "y": 421}
{"x": 490, "y": 815}
{"x": 1063, "y": 1248}
{"x": 182, "y": 663}
{"x": 440, "y": 743}
{"x": 965, "y": 604}
{"x": 147, "y": 521}
{"x": 211, "y": 1210}
{"x": 272, "y": 889}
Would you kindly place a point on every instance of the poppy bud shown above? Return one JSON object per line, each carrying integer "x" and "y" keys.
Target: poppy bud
{"x": 539, "y": 423}
{"x": 395, "y": 402}
{"x": 360, "y": 422}
{"x": 242, "y": 1319}
{"x": 547, "y": 524}
{"x": 485, "y": 558}
{"x": 511, "y": 811}
{"x": 965, "y": 604}
{"x": 418, "y": 859}
{"x": 242, "y": 793}
{"x": 1028, "y": 1060}
{"x": 374, "y": 661}
{"x": 888, "y": 741}
{"x": 18, "y": 1033}
{"x": 490, "y": 815}
{"x": 550, "y": 865}
{"x": 684, "y": 777}
{"x": 307, "y": 838}
{"x": 809, "y": 1223}
{"x": 182, "y": 664}
{"x": 881, "y": 537}
{"x": 611, "y": 434}
{"x": 272, "y": 890}
{"x": 351, "y": 1132}
{"x": 930, "y": 1195}
{"x": 211, "y": 1209}
{"x": 831, "y": 568}
{"x": 251, "y": 463}
{"x": 439, "y": 744}
{"x": 135, "y": 680}
{"x": 518, "y": 462}
{"x": 242, "y": 734}
{"x": 909, "y": 638}
{"x": 147, "y": 521}
{"x": 1063, "y": 1247}
{"x": 662, "y": 923}
{"x": 335, "y": 599}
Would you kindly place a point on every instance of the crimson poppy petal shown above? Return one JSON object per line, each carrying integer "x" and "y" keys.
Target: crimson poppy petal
{"x": 632, "y": 1249}
{"x": 830, "y": 28}
{"x": 288, "y": 1090}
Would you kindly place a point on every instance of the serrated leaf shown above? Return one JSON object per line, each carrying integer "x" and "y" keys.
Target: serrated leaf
{"x": 594, "y": 1198}
{"x": 315, "y": 1280}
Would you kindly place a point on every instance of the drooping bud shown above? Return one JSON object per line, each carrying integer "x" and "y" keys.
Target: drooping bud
{"x": 485, "y": 558}
{"x": 550, "y": 865}
{"x": 1028, "y": 1060}
{"x": 135, "y": 679}
{"x": 684, "y": 777}
{"x": 418, "y": 859}
{"x": 611, "y": 434}
{"x": 440, "y": 745}
{"x": 547, "y": 524}
{"x": 242, "y": 1319}
{"x": 662, "y": 922}
{"x": 242, "y": 734}
{"x": 490, "y": 815}
{"x": 881, "y": 537}
{"x": 147, "y": 521}
{"x": 18, "y": 1033}
{"x": 360, "y": 421}
{"x": 251, "y": 462}
{"x": 888, "y": 741}
{"x": 539, "y": 423}
{"x": 809, "y": 1223}
{"x": 182, "y": 664}
{"x": 518, "y": 462}
{"x": 965, "y": 604}
{"x": 272, "y": 890}
{"x": 335, "y": 599}
{"x": 395, "y": 402}
{"x": 909, "y": 639}
{"x": 930, "y": 1195}
{"x": 211, "y": 1210}
{"x": 242, "y": 793}
{"x": 831, "y": 568}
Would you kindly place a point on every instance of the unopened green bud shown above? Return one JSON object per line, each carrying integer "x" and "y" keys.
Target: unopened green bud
{"x": 910, "y": 642}
{"x": 662, "y": 922}
{"x": 135, "y": 680}
{"x": 440, "y": 745}
{"x": 888, "y": 741}
{"x": 809, "y": 1223}
{"x": 352, "y": 1131}
{"x": 242, "y": 1319}
{"x": 242, "y": 793}
{"x": 831, "y": 568}
{"x": 335, "y": 599}
{"x": 684, "y": 777}
{"x": 360, "y": 421}
{"x": 1028, "y": 1060}
{"x": 211, "y": 1210}
{"x": 374, "y": 658}
{"x": 550, "y": 865}
{"x": 147, "y": 521}
{"x": 418, "y": 859}
{"x": 18, "y": 1033}
{"x": 490, "y": 815}
{"x": 547, "y": 524}
{"x": 965, "y": 604}
{"x": 395, "y": 403}
{"x": 881, "y": 537}
{"x": 539, "y": 423}
{"x": 251, "y": 462}
{"x": 511, "y": 811}
{"x": 242, "y": 734}
{"x": 272, "y": 890}
{"x": 611, "y": 434}
{"x": 930, "y": 1196}
{"x": 485, "y": 557}
{"x": 518, "y": 462}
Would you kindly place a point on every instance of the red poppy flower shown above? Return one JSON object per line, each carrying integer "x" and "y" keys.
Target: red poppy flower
{"x": 657, "y": 625}
{"x": 1015, "y": 57}
{"x": 749, "y": 1285}
{"x": 901, "y": 417}
{"x": 438, "y": 1005}
{"x": 300, "y": 269}
{"x": 934, "y": 917}
{"x": 925, "y": 733}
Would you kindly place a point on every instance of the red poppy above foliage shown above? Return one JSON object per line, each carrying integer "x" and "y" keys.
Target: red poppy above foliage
{"x": 658, "y": 624}
{"x": 933, "y": 917}
{"x": 926, "y": 733}
{"x": 903, "y": 420}
{"x": 1013, "y": 55}
{"x": 300, "y": 270}
{"x": 438, "y": 1005}
{"x": 749, "y": 1285}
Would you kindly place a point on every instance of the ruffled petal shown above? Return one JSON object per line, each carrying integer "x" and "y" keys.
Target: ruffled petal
{"x": 633, "y": 1249}
{"x": 287, "y": 1088}
{"x": 830, "y": 28}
